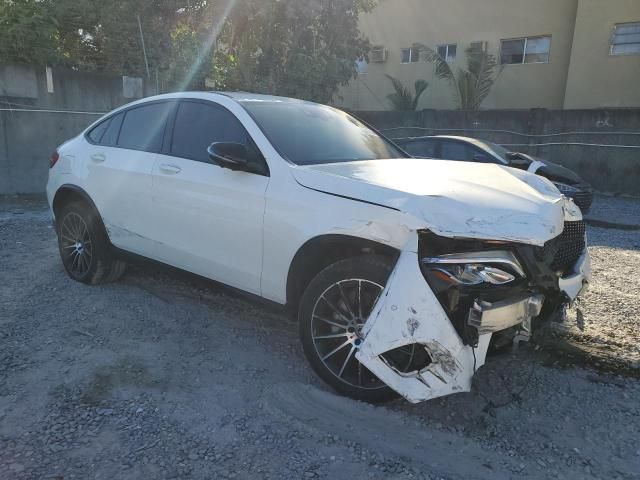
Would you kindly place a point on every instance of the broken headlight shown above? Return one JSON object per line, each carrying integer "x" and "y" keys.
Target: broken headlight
{"x": 474, "y": 268}
{"x": 463, "y": 271}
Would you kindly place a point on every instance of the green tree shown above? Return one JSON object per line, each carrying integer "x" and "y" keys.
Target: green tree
{"x": 299, "y": 48}
{"x": 471, "y": 85}
{"x": 27, "y": 32}
{"x": 402, "y": 98}
{"x": 302, "y": 48}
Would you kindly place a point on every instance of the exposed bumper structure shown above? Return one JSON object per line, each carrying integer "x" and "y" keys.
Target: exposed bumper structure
{"x": 493, "y": 317}
{"x": 408, "y": 312}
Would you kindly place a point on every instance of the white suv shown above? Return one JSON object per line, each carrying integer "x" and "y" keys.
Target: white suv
{"x": 400, "y": 271}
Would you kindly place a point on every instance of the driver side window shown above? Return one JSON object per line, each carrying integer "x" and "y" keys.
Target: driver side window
{"x": 198, "y": 125}
{"x": 456, "y": 151}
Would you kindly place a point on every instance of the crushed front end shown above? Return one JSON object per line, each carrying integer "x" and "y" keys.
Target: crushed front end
{"x": 451, "y": 296}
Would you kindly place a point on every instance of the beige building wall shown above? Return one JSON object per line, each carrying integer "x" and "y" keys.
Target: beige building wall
{"x": 580, "y": 72}
{"x": 597, "y": 79}
{"x": 398, "y": 24}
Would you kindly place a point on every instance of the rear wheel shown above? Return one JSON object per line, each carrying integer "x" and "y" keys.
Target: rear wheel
{"x": 84, "y": 246}
{"x": 332, "y": 312}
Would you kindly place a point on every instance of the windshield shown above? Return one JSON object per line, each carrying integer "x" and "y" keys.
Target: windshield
{"x": 499, "y": 150}
{"x": 308, "y": 133}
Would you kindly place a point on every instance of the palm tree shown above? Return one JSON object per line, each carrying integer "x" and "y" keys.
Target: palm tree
{"x": 471, "y": 85}
{"x": 402, "y": 98}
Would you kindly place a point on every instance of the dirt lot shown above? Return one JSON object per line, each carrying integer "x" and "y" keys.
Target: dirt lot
{"x": 164, "y": 375}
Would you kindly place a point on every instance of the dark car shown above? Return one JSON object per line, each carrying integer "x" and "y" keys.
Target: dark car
{"x": 468, "y": 149}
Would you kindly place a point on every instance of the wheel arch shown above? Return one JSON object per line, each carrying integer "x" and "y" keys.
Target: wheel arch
{"x": 68, "y": 193}
{"x": 319, "y": 252}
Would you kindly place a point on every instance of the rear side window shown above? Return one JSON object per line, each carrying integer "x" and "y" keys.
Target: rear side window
{"x": 198, "y": 125}
{"x": 97, "y": 132}
{"x": 143, "y": 127}
{"x": 110, "y": 137}
{"x": 456, "y": 151}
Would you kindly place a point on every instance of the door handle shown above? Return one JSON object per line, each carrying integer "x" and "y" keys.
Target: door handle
{"x": 98, "y": 157}
{"x": 170, "y": 169}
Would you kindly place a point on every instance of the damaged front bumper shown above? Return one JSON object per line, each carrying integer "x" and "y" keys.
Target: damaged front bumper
{"x": 409, "y": 313}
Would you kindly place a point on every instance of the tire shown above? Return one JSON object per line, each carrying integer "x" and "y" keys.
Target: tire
{"x": 326, "y": 322}
{"x": 85, "y": 250}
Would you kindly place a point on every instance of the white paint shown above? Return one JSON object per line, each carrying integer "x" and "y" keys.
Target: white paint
{"x": 244, "y": 229}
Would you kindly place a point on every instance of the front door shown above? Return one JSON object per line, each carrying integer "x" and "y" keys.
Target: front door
{"x": 208, "y": 219}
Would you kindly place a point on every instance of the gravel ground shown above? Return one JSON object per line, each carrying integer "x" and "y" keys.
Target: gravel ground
{"x": 164, "y": 375}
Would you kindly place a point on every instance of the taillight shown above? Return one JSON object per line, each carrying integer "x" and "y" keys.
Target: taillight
{"x": 53, "y": 159}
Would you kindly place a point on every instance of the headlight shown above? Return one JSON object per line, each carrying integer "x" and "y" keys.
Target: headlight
{"x": 564, "y": 188}
{"x": 473, "y": 274}
{"x": 494, "y": 267}
{"x": 462, "y": 272}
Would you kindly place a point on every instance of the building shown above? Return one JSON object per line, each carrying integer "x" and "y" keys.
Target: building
{"x": 555, "y": 54}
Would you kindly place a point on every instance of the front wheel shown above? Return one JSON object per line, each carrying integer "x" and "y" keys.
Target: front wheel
{"x": 332, "y": 313}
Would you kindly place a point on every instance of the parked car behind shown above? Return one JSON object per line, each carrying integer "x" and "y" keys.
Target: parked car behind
{"x": 399, "y": 271}
{"x": 473, "y": 150}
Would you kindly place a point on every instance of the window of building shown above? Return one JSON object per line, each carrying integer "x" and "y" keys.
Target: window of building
{"x": 626, "y": 39}
{"x": 525, "y": 50}
{"x": 478, "y": 47}
{"x": 410, "y": 55}
{"x": 447, "y": 52}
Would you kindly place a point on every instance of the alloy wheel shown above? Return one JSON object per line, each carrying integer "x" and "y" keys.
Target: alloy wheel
{"x": 338, "y": 318}
{"x": 77, "y": 249}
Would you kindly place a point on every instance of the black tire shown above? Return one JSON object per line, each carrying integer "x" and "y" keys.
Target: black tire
{"x": 351, "y": 379}
{"x": 85, "y": 250}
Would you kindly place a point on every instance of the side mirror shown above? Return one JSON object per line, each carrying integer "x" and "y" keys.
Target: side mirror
{"x": 234, "y": 156}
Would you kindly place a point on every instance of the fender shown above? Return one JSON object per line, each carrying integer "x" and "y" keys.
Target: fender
{"x": 75, "y": 190}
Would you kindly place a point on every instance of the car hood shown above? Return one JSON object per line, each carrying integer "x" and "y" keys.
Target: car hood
{"x": 454, "y": 199}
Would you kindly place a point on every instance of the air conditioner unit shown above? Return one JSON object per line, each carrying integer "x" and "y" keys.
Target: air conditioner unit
{"x": 378, "y": 54}
{"x": 480, "y": 46}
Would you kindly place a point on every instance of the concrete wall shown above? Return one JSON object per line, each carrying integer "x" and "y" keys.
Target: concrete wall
{"x": 597, "y": 79}
{"x": 608, "y": 169}
{"x": 27, "y": 138}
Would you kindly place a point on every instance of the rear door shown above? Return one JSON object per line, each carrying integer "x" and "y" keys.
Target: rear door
{"x": 119, "y": 173}
{"x": 209, "y": 219}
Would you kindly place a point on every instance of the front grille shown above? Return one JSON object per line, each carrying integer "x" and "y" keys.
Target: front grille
{"x": 566, "y": 248}
{"x": 583, "y": 200}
